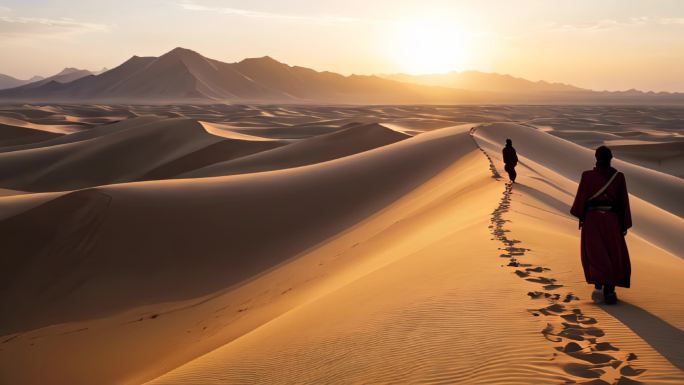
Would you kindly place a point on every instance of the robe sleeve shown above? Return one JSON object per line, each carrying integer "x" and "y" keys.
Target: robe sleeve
{"x": 578, "y": 206}
{"x": 515, "y": 156}
{"x": 626, "y": 217}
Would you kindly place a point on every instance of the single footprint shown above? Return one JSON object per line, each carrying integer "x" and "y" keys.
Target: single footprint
{"x": 542, "y": 280}
{"x": 583, "y": 370}
{"x": 604, "y": 346}
{"x": 570, "y": 347}
{"x": 577, "y": 332}
{"x": 594, "y": 358}
{"x": 570, "y": 297}
{"x": 629, "y": 371}
{"x": 579, "y": 319}
{"x": 551, "y": 309}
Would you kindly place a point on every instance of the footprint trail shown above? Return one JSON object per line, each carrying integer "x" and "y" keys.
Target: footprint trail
{"x": 589, "y": 358}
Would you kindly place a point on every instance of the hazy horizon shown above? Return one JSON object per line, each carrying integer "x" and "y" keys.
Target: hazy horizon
{"x": 611, "y": 46}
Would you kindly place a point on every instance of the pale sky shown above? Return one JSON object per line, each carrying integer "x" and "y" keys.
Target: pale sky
{"x": 614, "y": 45}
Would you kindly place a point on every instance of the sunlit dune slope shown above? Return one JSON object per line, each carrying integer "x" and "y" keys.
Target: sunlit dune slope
{"x": 189, "y": 237}
{"x": 438, "y": 304}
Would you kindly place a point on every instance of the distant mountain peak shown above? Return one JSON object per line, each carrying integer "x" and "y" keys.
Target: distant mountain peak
{"x": 181, "y": 52}
{"x": 68, "y": 70}
{"x": 264, "y": 60}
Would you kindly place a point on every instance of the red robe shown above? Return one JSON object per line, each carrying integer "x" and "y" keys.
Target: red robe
{"x": 605, "y": 258}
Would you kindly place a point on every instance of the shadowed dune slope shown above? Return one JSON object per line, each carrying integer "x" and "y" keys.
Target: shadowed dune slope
{"x": 666, "y": 157}
{"x": 67, "y": 259}
{"x": 13, "y": 135}
{"x": 218, "y": 152}
{"x": 90, "y": 133}
{"x": 353, "y": 139}
{"x": 657, "y": 188}
{"x": 131, "y": 150}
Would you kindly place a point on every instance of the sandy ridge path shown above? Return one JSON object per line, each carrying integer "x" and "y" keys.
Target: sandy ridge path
{"x": 406, "y": 303}
{"x": 571, "y": 332}
{"x": 419, "y": 318}
{"x": 592, "y": 348}
{"x": 657, "y": 210}
{"x": 404, "y": 293}
{"x": 436, "y": 176}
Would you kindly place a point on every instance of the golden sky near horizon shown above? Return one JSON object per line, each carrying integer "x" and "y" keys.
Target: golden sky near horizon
{"x": 595, "y": 44}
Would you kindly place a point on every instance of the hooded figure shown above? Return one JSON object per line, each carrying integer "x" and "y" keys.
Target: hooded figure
{"x": 602, "y": 206}
{"x": 510, "y": 159}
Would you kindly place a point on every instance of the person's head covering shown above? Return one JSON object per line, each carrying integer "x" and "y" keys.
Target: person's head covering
{"x": 603, "y": 156}
{"x": 509, "y": 142}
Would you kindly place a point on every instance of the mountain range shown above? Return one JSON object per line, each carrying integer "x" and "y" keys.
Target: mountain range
{"x": 184, "y": 76}
{"x": 7, "y": 81}
{"x": 487, "y": 82}
{"x": 66, "y": 75}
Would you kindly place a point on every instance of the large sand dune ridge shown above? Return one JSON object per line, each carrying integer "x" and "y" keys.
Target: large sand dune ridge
{"x": 328, "y": 244}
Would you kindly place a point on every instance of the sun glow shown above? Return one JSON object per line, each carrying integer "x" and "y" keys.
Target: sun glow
{"x": 430, "y": 46}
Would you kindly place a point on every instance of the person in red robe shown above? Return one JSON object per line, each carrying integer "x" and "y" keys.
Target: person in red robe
{"x": 510, "y": 159}
{"x": 602, "y": 206}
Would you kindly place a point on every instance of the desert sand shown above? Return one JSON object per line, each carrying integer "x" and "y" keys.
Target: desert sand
{"x": 217, "y": 244}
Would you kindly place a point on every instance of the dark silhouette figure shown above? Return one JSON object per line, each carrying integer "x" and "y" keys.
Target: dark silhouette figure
{"x": 510, "y": 159}
{"x": 602, "y": 206}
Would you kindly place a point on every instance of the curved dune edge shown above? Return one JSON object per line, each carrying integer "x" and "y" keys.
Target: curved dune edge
{"x": 435, "y": 277}
{"x": 412, "y": 231}
{"x": 142, "y": 148}
{"x": 50, "y": 128}
{"x": 161, "y": 277}
{"x": 350, "y": 139}
{"x": 224, "y": 131}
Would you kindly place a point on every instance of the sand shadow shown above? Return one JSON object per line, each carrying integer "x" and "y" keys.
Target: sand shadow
{"x": 663, "y": 337}
{"x": 547, "y": 199}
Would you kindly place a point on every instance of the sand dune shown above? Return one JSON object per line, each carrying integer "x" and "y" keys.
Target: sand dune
{"x": 17, "y": 135}
{"x": 418, "y": 329}
{"x": 221, "y": 242}
{"x": 225, "y": 131}
{"x": 346, "y": 252}
{"x": 127, "y": 151}
{"x": 666, "y": 157}
{"x": 349, "y": 140}
{"x": 544, "y": 198}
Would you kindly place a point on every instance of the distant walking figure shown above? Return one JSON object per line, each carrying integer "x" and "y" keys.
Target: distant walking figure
{"x": 602, "y": 206}
{"x": 510, "y": 159}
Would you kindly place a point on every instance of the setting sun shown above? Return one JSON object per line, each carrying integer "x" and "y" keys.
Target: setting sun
{"x": 429, "y": 46}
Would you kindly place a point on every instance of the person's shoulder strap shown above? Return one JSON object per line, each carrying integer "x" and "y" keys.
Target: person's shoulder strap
{"x": 605, "y": 186}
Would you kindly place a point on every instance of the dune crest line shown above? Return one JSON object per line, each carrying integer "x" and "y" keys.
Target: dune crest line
{"x": 576, "y": 336}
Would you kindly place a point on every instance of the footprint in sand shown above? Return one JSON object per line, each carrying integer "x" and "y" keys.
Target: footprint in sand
{"x": 583, "y": 370}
